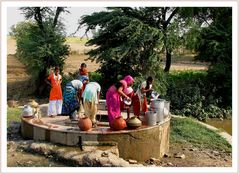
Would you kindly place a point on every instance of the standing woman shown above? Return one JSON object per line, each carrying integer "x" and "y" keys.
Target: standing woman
{"x": 91, "y": 96}
{"x": 55, "y": 99}
{"x": 113, "y": 97}
{"x": 71, "y": 98}
{"x": 140, "y": 100}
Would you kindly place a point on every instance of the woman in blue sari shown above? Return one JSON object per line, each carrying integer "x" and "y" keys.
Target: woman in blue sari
{"x": 71, "y": 98}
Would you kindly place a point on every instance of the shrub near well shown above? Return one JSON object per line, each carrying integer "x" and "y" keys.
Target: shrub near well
{"x": 192, "y": 94}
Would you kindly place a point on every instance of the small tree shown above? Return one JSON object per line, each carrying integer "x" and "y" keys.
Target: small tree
{"x": 41, "y": 42}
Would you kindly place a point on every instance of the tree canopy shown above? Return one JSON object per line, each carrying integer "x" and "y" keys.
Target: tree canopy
{"x": 41, "y": 42}
{"x": 136, "y": 34}
{"x": 214, "y": 45}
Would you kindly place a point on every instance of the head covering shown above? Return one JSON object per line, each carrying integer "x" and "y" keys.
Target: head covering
{"x": 124, "y": 83}
{"x": 128, "y": 79}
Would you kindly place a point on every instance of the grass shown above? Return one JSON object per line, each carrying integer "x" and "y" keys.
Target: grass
{"x": 186, "y": 130}
{"x": 13, "y": 114}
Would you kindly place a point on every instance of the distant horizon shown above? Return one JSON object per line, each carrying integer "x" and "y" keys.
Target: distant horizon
{"x": 14, "y": 16}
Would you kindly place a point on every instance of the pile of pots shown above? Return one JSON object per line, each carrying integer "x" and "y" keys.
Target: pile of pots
{"x": 158, "y": 111}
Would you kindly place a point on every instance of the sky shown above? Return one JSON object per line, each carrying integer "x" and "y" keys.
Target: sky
{"x": 70, "y": 20}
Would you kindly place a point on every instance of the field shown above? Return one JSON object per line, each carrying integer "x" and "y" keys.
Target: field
{"x": 18, "y": 80}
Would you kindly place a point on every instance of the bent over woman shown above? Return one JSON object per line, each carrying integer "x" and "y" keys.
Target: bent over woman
{"x": 71, "y": 98}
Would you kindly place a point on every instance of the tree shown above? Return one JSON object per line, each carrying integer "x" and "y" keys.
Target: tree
{"x": 41, "y": 42}
{"x": 157, "y": 28}
{"x": 214, "y": 45}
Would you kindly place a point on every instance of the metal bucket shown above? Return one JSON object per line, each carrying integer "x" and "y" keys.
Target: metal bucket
{"x": 158, "y": 106}
{"x": 150, "y": 118}
{"x": 166, "y": 109}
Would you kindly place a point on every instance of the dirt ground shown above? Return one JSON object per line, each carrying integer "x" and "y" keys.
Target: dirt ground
{"x": 180, "y": 155}
{"x": 18, "y": 83}
{"x": 195, "y": 157}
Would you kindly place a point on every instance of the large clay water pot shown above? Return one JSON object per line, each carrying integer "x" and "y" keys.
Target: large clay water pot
{"x": 134, "y": 122}
{"x": 119, "y": 123}
{"x": 85, "y": 123}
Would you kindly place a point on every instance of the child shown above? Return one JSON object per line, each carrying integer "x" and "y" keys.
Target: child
{"x": 82, "y": 70}
{"x": 55, "y": 99}
{"x": 84, "y": 78}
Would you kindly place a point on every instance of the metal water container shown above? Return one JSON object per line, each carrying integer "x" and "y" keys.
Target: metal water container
{"x": 158, "y": 106}
{"x": 27, "y": 112}
{"x": 150, "y": 118}
{"x": 166, "y": 109}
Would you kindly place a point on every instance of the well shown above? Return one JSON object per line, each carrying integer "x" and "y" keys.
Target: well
{"x": 140, "y": 144}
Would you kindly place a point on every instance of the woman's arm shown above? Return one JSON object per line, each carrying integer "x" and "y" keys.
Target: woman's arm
{"x": 48, "y": 82}
{"x": 120, "y": 90}
{"x": 78, "y": 94}
{"x": 143, "y": 90}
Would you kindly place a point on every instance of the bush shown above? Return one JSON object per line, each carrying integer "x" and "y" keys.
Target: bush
{"x": 192, "y": 94}
{"x": 95, "y": 77}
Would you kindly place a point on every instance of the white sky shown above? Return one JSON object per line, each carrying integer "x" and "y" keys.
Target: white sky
{"x": 70, "y": 19}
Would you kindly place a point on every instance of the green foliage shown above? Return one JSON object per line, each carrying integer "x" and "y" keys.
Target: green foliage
{"x": 160, "y": 79}
{"x": 192, "y": 94}
{"x": 13, "y": 114}
{"x": 95, "y": 77}
{"x": 40, "y": 42}
{"x": 133, "y": 38}
{"x": 215, "y": 45}
{"x": 39, "y": 51}
{"x": 186, "y": 129}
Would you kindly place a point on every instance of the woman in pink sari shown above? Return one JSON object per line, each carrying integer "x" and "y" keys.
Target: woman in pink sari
{"x": 113, "y": 97}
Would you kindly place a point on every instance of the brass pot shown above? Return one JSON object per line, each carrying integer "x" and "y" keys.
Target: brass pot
{"x": 134, "y": 122}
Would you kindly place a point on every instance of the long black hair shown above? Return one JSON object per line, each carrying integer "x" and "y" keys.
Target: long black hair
{"x": 149, "y": 79}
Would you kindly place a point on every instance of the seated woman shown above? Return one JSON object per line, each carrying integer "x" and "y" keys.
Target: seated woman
{"x": 91, "y": 97}
{"x": 113, "y": 97}
{"x": 71, "y": 98}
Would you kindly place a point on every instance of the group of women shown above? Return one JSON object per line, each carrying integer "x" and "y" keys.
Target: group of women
{"x": 82, "y": 93}
{"x": 123, "y": 89}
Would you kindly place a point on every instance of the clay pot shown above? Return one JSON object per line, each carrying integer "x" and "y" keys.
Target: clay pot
{"x": 134, "y": 122}
{"x": 85, "y": 123}
{"x": 119, "y": 123}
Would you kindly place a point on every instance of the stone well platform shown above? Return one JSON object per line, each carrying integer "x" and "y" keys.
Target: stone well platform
{"x": 140, "y": 144}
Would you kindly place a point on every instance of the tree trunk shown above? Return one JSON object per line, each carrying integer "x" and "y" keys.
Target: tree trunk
{"x": 42, "y": 89}
{"x": 168, "y": 61}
